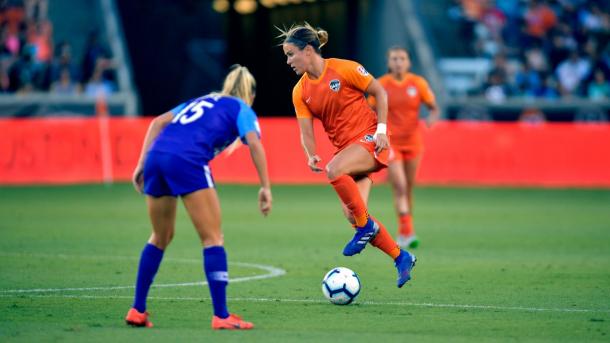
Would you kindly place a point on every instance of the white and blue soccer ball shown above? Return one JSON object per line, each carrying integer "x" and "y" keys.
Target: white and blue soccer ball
{"x": 341, "y": 286}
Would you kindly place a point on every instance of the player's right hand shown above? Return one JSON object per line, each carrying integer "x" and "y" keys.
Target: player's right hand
{"x": 264, "y": 200}
{"x": 138, "y": 179}
{"x": 312, "y": 163}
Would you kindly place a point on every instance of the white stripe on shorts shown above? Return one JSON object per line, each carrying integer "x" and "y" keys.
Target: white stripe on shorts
{"x": 208, "y": 176}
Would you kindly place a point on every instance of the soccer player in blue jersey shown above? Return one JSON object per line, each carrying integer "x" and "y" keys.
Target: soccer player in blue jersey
{"x": 174, "y": 163}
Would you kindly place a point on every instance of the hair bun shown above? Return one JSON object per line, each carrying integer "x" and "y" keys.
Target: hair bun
{"x": 322, "y": 37}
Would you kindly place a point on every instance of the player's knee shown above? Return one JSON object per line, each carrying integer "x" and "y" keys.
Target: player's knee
{"x": 409, "y": 187}
{"x": 214, "y": 238}
{"x": 161, "y": 241}
{"x": 400, "y": 190}
{"x": 333, "y": 172}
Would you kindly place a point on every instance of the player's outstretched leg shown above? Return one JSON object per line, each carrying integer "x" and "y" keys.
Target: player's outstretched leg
{"x": 150, "y": 259}
{"x": 403, "y": 260}
{"x": 366, "y": 229}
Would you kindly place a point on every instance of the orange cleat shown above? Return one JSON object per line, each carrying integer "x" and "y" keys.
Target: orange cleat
{"x": 232, "y": 322}
{"x": 135, "y": 318}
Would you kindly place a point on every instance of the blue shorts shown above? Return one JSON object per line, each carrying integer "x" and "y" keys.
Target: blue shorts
{"x": 168, "y": 174}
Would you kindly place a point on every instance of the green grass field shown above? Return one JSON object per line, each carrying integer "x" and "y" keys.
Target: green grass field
{"x": 494, "y": 265}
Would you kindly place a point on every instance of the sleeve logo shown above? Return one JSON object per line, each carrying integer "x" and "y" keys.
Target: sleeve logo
{"x": 362, "y": 71}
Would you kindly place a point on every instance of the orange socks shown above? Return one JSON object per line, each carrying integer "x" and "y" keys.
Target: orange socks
{"x": 348, "y": 192}
{"x": 405, "y": 224}
{"x": 384, "y": 242}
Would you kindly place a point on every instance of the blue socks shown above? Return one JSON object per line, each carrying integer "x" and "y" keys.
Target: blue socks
{"x": 149, "y": 264}
{"x": 215, "y": 267}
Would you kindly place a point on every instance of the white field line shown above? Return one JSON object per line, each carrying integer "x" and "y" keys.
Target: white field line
{"x": 272, "y": 272}
{"x": 319, "y": 301}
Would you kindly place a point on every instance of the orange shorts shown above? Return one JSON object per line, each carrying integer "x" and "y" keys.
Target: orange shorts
{"x": 404, "y": 153}
{"x": 368, "y": 142}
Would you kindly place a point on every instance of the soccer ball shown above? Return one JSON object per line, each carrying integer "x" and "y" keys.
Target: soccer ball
{"x": 341, "y": 286}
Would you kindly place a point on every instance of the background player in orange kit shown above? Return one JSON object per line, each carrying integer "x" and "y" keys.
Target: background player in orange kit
{"x": 406, "y": 91}
{"x": 332, "y": 90}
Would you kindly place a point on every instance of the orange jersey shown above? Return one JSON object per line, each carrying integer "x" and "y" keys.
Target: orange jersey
{"x": 337, "y": 99}
{"x": 404, "y": 100}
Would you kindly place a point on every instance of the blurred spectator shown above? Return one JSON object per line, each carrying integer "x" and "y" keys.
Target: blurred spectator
{"x": 98, "y": 85}
{"x": 528, "y": 81}
{"x": 599, "y": 89}
{"x": 562, "y": 41}
{"x": 499, "y": 68}
{"x": 94, "y": 50}
{"x": 539, "y": 19}
{"x": 496, "y": 91}
{"x": 66, "y": 84}
{"x": 536, "y": 59}
{"x": 548, "y": 89}
{"x": 11, "y": 45}
{"x": 24, "y": 74}
{"x": 571, "y": 73}
{"x": 63, "y": 60}
{"x": 12, "y": 15}
{"x": 593, "y": 19}
{"x": 532, "y": 116}
{"x": 39, "y": 36}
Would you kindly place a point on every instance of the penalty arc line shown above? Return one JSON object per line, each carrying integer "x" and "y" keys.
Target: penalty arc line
{"x": 271, "y": 273}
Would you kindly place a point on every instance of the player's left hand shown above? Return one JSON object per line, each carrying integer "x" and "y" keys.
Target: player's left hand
{"x": 264, "y": 200}
{"x": 381, "y": 142}
{"x": 433, "y": 117}
{"x": 138, "y": 179}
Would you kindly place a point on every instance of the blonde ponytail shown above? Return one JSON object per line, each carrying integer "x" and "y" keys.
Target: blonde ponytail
{"x": 240, "y": 83}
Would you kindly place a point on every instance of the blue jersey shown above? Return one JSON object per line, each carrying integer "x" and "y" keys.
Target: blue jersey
{"x": 205, "y": 126}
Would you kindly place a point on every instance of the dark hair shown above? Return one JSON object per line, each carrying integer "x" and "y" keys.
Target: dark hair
{"x": 397, "y": 48}
{"x": 303, "y": 35}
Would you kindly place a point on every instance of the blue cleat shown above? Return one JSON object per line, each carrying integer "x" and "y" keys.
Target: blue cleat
{"x": 404, "y": 263}
{"x": 363, "y": 235}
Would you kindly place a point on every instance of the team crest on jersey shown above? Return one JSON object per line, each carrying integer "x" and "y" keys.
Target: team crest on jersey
{"x": 362, "y": 71}
{"x": 335, "y": 85}
{"x": 367, "y": 139}
{"x": 411, "y": 91}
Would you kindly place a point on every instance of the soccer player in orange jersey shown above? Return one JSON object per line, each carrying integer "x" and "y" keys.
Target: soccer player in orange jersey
{"x": 406, "y": 92}
{"x": 332, "y": 90}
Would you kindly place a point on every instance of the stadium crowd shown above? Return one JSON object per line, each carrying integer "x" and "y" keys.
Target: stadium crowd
{"x": 30, "y": 62}
{"x": 538, "y": 48}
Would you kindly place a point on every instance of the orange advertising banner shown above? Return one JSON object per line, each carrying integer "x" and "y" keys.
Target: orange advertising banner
{"x": 91, "y": 150}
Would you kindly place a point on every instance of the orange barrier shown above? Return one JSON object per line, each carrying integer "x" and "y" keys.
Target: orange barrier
{"x": 69, "y": 150}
